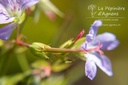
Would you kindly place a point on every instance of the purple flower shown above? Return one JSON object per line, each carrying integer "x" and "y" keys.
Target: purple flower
{"x": 12, "y": 11}
{"x": 93, "y": 45}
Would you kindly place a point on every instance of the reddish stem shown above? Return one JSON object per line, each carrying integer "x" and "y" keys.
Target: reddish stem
{"x": 21, "y": 43}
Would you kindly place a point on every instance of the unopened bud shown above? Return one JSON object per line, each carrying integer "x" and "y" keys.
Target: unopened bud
{"x": 38, "y": 49}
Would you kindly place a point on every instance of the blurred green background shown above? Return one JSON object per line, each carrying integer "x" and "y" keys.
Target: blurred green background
{"x": 76, "y": 14}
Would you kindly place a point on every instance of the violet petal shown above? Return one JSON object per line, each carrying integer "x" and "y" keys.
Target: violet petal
{"x": 89, "y": 38}
{"x": 27, "y": 3}
{"x": 90, "y": 66}
{"x": 104, "y": 64}
{"x": 94, "y": 27}
{"x": 84, "y": 46}
{"x": 4, "y": 16}
{"x": 108, "y": 41}
{"x": 6, "y": 31}
{"x": 90, "y": 69}
{"x": 5, "y": 19}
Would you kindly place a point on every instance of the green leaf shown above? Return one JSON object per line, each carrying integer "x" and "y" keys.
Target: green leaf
{"x": 79, "y": 42}
{"x": 40, "y": 64}
{"x": 13, "y": 80}
{"x": 67, "y": 44}
{"x": 59, "y": 66}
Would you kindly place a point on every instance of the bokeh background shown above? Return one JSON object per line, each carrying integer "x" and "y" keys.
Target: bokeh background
{"x": 76, "y": 13}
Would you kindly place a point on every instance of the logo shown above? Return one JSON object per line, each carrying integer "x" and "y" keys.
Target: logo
{"x": 92, "y": 8}
{"x": 110, "y": 14}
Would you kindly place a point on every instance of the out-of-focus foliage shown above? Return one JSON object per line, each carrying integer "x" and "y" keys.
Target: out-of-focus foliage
{"x": 18, "y": 66}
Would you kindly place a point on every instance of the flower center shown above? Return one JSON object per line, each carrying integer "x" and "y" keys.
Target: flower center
{"x": 97, "y": 49}
{"x": 14, "y": 10}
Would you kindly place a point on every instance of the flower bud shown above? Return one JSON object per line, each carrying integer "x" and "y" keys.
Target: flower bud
{"x": 38, "y": 49}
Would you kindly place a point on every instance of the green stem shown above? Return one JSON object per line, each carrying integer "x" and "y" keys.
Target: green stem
{"x": 62, "y": 50}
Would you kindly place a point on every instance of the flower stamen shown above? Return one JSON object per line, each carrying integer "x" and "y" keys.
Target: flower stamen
{"x": 97, "y": 49}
